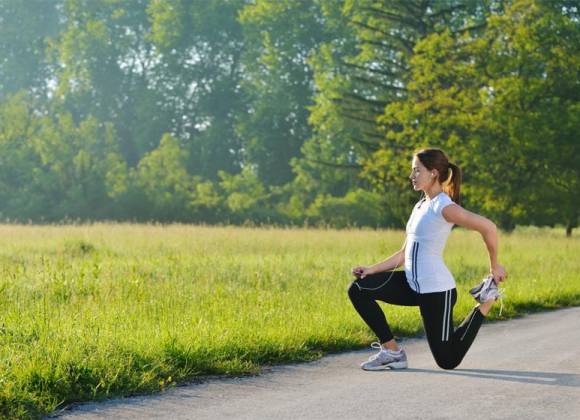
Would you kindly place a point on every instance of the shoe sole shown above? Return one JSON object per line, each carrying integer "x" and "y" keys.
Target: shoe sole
{"x": 394, "y": 365}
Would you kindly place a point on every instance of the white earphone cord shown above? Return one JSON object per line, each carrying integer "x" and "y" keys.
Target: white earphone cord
{"x": 392, "y": 271}
{"x": 385, "y": 282}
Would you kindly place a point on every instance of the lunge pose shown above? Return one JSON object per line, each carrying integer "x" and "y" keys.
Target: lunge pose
{"x": 425, "y": 281}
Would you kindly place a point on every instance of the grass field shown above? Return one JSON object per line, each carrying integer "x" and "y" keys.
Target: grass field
{"x": 92, "y": 311}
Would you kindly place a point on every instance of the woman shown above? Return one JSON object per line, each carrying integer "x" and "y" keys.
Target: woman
{"x": 425, "y": 281}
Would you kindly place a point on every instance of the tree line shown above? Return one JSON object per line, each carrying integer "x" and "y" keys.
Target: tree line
{"x": 286, "y": 111}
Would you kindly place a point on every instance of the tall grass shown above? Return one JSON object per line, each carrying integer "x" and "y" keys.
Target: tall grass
{"x": 92, "y": 311}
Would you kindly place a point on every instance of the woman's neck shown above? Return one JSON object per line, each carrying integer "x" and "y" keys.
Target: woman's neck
{"x": 433, "y": 190}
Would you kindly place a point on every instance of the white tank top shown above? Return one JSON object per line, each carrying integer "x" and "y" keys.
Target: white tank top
{"x": 427, "y": 232}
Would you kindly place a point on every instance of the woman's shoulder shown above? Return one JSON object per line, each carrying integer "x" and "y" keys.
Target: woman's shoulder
{"x": 443, "y": 197}
{"x": 440, "y": 201}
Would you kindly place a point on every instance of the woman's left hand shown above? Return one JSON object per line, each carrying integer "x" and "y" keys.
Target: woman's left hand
{"x": 498, "y": 272}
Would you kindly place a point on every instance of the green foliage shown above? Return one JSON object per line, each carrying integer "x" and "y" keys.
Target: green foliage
{"x": 197, "y": 47}
{"x": 17, "y": 125}
{"x": 25, "y": 33}
{"x": 280, "y": 36}
{"x": 503, "y": 104}
{"x": 107, "y": 69}
{"x": 359, "y": 72}
{"x": 52, "y": 165}
{"x": 281, "y": 111}
{"x": 358, "y": 207}
{"x": 246, "y": 197}
{"x": 163, "y": 178}
{"x": 167, "y": 23}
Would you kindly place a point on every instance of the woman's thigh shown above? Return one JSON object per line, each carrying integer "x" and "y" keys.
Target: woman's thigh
{"x": 437, "y": 314}
{"x": 390, "y": 287}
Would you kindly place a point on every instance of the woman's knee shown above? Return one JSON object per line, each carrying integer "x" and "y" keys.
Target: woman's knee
{"x": 445, "y": 362}
{"x": 353, "y": 290}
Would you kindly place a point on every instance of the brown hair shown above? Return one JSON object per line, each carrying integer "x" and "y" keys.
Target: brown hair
{"x": 437, "y": 159}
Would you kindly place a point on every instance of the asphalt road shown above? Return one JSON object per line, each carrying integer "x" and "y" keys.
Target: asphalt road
{"x": 527, "y": 368}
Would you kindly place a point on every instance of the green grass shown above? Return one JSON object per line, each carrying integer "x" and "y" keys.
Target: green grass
{"x": 93, "y": 311}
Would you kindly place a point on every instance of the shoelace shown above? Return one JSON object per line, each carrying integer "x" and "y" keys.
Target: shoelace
{"x": 500, "y": 296}
{"x": 377, "y": 345}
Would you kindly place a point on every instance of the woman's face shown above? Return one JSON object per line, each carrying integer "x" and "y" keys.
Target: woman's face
{"x": 420, "y": 176}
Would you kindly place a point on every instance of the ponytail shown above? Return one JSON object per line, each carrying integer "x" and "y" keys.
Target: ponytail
{"x": 449, "y": 173}
{"x": 453, "y": 185}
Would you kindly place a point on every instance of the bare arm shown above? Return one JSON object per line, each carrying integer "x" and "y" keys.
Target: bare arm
{"x": 488, "y": 230}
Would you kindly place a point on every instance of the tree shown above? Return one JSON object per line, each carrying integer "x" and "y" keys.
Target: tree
{"x": 505, "y": 104}
{"x": 163, "y": 178}
{"x": 53, "y": 168}
{"x": 25, "y": 30}
{"x": 246, "y": 197}
{"x": 106, "y": 68}
{"x": 198, "y": 45}
{"x": 359, "y": 73}
{"x": 278, "y": 82}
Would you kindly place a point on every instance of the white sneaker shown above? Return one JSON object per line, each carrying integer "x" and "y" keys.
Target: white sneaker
{"x": 385, "y": 359}
{"x": 487, "y": 290}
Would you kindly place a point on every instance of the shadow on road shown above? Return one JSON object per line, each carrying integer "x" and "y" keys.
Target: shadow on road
{"x": 529, "y": 377}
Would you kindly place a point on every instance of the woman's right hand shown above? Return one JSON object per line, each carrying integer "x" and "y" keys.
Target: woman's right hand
{"x": 498, "y": 272}
{"x": 361, "y": 272}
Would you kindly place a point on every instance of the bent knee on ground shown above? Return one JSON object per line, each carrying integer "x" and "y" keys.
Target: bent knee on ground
{"x": 353, "y": 289}
{"x": 446, "y": 363}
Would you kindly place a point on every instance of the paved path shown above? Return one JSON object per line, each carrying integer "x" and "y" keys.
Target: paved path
{"x": 527, "y": 368}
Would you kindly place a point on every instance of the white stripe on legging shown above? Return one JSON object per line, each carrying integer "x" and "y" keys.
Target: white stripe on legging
{"x": 448, "y": 316}
{"x": 444, "y": 318}
{"x": 414, "y": 273}
{"x": 468, "y": 325}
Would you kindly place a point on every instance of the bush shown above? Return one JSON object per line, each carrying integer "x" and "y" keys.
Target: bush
{"x": 356, "y": 208}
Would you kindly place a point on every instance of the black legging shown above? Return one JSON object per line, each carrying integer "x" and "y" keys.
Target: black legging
{"x": 447, "y": 345}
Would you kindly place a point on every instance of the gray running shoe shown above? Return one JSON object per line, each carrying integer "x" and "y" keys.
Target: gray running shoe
{"x": 385, "y": 359}
{"x": 485, "y": 291}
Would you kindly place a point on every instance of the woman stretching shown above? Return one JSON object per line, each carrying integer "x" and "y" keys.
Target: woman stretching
{"x": 426, "y": 282}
